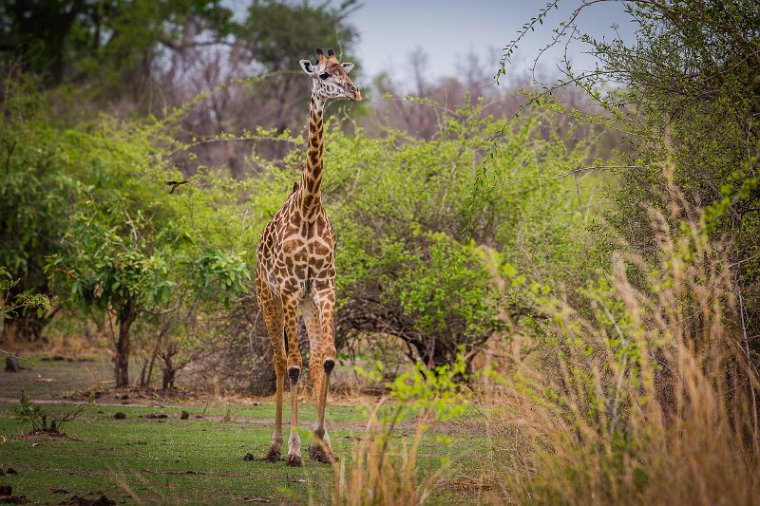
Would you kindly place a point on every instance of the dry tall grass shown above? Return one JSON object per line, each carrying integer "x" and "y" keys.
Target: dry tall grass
{"x": 382, "y": 472}
{"x": 648, "y": 395}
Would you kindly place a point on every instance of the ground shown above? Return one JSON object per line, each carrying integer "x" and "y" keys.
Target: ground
{"x": 199, "y": 460}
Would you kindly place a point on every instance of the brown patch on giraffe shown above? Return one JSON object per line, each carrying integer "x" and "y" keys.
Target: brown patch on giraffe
{"x": 318, "y": 249}
{"x": 291, "y": 245}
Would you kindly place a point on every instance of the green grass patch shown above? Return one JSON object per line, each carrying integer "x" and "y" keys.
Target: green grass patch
{"x": 172, "y": 460}
{"x": 200, "y": 460}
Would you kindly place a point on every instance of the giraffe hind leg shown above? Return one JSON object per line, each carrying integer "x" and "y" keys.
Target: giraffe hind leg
{"x": 272, "y": 312}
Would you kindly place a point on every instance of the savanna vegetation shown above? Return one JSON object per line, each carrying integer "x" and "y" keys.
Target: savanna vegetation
{"x": 547, "y": 293}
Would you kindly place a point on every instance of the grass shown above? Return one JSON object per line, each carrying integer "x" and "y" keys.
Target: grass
{"x": 172, "y": 460}
{"x": 199, "y": 460}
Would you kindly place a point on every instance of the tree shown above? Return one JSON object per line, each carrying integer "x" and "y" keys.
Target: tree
{"x": 129, "y": 247}
{"x": 118, "y": 261}
{"x": 113, "y": 42}
{"x": 36, "y": 32}
{"x": 690, "y": 96}
{"x": 694, "y": 74}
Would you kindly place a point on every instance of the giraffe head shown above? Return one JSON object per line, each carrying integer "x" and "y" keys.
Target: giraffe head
{"x": 330, "y": 77}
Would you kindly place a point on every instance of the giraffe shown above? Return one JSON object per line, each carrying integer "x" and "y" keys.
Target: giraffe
{"x": 296, "y": 269}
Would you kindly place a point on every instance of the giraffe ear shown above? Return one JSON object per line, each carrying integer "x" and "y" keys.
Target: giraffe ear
{"x": 307, "y": 67}
{"x": 347, "y": 66}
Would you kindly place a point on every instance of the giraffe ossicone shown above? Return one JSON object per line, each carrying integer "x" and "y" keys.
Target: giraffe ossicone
{"x": 295, "y": 269}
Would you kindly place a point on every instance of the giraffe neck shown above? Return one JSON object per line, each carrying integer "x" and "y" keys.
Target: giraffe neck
{"x": 311, "y": 179}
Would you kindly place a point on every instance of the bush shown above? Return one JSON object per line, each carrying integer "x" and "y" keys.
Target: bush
{"x": 409, "y": 213}
{"x": 27, "y": 411}
{"x": 34, "y": 191}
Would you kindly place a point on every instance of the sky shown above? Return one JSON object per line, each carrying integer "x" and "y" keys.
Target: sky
{"x": 449, "y": 31}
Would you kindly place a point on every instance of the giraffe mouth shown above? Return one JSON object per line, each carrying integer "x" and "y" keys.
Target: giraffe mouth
{"x": 357, "y": 96}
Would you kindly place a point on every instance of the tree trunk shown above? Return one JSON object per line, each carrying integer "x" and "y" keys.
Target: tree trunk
{"x": 143, "y": 370}
{"x": 149, "y": 378}
{"x": 127, "y": 315}
{"x": 169, "y": 370}
{"x": 156, "y": 348}
{"x": 168, "y": 379}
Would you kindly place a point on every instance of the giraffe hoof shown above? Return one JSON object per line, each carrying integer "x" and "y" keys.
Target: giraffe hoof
{"x": 272, "y": 455}
{"x": 317, "y": 452}
{"x": 294, "y": 461}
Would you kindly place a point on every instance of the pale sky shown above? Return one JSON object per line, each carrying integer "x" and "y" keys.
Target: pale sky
{"x": 449, "y": 30}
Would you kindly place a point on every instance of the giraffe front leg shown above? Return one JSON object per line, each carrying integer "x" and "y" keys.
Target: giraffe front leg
{"x": 294, "y": 372}
{"x": 294, "y": 442}
{"x": 321, "y": 449}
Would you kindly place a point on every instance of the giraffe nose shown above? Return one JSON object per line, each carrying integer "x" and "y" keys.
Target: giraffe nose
{"x": 353, "y": 92}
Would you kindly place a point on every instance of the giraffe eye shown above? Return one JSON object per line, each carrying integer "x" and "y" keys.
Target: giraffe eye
{"x": 324, "y": 75}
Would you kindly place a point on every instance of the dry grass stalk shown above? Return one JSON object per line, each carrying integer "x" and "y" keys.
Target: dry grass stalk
{"x": 382, "y": 471}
